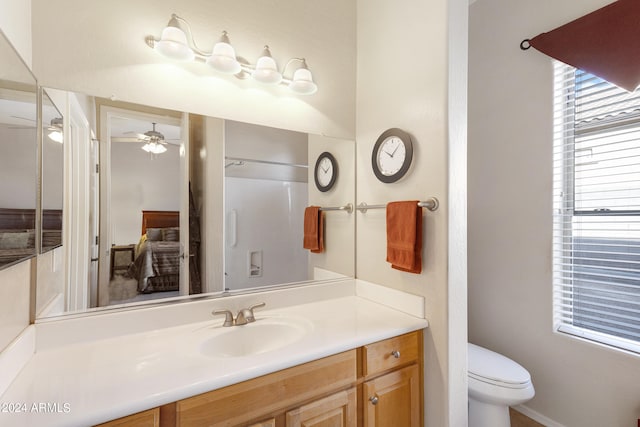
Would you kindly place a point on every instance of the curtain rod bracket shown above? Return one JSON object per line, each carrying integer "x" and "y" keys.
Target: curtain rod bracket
{"x": 525, "y": 45}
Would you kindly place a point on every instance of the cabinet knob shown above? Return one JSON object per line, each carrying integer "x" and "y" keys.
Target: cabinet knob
{"x": 396, "y": 354}
{"x": 374, "y": 400}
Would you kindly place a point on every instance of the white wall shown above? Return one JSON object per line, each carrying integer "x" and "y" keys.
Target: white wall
{"x": 403, "y": 81}
{"x": 141, "y": 181}
{"x": 510, "y": 223}
{"x": 18, "y": 166}
{"x": 96, "y": 59}
{"x": 269, "y": 220}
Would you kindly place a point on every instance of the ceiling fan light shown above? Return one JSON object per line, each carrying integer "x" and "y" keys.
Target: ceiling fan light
{"x": 302, "y": 82}
{"x": 154, "y": 148}
{"x": 223, "y": 58}
{"x": 56, "y": 136}
{"x": 266, "y": 70}
{"x": 173, "y": 43}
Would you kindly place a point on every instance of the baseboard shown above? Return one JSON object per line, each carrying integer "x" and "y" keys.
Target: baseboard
{"x": 536, "y": 416}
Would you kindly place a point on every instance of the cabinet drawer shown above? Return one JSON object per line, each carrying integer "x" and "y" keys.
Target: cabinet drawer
{"x": 391, "y": 353}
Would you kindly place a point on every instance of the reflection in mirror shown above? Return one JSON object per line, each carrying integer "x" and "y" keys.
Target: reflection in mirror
{"x": 52, "y": 174}
{"x": 18, "y": 157}
{"x": 266, "y": 192}
{"x": 143, "y": 191}
{"x": 143, "y": 209}
{"x": 268, "y": 185}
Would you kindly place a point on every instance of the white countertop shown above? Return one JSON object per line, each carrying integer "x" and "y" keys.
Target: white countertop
{"x": 91, "y": 382}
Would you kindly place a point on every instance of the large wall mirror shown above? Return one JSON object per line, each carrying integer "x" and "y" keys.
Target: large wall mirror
{"x": 193, "y": 205}
{"x": 18, "y": 157}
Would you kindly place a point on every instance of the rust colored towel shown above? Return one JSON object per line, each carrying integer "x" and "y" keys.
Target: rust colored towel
{"x": 313, "y": 229}
{"x": 404, "y": 236}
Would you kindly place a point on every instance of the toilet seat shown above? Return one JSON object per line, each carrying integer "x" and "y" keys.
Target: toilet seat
{"x": 495, "y": 369}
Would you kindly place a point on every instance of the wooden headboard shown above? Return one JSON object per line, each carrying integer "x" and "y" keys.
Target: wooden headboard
{"x": 14, "y": 219}
{"x": 159, "y": 219}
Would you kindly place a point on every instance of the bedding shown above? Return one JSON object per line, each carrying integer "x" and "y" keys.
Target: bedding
{"x": 16, "y": 244}
{"x": 156, "y": 266}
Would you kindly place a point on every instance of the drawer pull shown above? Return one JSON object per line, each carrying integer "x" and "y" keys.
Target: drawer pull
{"x": 374, "y": 400}
{"x": 396, "y": 354}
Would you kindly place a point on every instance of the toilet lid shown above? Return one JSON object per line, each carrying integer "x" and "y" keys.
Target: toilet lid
{"x": 490, "y": 366}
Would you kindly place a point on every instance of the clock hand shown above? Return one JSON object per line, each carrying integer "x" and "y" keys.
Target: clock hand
{"x": 325, "y": 170}
{"x": 395, "y": 149}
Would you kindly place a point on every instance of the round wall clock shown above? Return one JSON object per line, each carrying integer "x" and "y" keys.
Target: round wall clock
{"x": 326, "y": 171}
{"x": 392, "y": 155}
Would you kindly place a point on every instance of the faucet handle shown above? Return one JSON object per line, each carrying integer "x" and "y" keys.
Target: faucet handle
{"x": 228, "y": 316}
{"x": 251, "y": 317}
{"x": 246, "y": 314}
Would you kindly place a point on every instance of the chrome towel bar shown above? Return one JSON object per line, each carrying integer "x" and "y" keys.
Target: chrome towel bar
{"x": 431, "y": 203}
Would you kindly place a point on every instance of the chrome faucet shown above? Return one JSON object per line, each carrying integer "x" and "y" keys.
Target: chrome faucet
{"x": 244, "y": 316}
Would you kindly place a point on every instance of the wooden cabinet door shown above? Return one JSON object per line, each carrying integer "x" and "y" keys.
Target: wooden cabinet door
{"x": 393, "y": 399}
{"x": 337, "y": 410}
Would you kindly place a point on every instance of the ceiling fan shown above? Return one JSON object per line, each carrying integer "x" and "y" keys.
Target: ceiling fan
{"x": 154, "y": 141}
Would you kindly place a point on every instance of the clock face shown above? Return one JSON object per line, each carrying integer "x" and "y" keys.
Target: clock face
{"x": 392, "y": 155}
{"x": 326, "y": 171}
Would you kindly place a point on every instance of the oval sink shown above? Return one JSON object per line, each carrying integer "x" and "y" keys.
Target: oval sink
{"x": 254, "y": 338}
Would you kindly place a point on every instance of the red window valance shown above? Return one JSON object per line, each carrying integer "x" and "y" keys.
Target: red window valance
{"x": 605, "y": 43}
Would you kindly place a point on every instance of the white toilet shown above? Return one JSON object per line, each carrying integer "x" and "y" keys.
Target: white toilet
{"x": 495, "y": 383}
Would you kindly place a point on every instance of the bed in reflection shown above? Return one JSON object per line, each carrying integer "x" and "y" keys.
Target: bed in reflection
{"x": 156, "y": 265}
{"x": 17, "y": 234}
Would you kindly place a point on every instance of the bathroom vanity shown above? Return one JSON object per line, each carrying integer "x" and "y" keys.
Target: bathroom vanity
{"x": 369, "y": 386}
{"x": 347, "y": 350}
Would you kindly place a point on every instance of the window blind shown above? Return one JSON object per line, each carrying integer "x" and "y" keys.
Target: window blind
{"x": 596, "y": 205}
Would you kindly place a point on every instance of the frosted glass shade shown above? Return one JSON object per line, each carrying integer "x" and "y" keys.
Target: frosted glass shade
{"x": 56, "y": 136}
{"x": 266, "y": 71}
{"x": 154, "y": 147}
{"x": 302, "y": 82}
{"x": 173, "y": 44}
{"x": 223, "y": 59}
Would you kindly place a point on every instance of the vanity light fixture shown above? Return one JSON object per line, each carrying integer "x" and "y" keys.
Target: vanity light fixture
{"x": 176, "y": 42}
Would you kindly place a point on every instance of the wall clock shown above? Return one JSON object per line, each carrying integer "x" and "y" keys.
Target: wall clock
{"x": 326, "y": 171}
{"x": 392, "y": 155}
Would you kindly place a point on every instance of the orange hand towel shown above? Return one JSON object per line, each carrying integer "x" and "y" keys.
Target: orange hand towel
{"x": 313, "y": 229}
{"x": 404, "y": 236}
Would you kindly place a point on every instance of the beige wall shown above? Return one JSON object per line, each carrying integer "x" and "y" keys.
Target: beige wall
{"x": 111, "y": 59}
{"x": 14, "y": 301}
{"x": 340, "y": 226}
{"x": 510, "y": 224}
{"x": 15, "y": 23}
{"x": 403, "y": 81}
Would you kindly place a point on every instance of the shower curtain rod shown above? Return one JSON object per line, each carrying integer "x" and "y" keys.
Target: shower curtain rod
{"x": 266, "y": 162}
